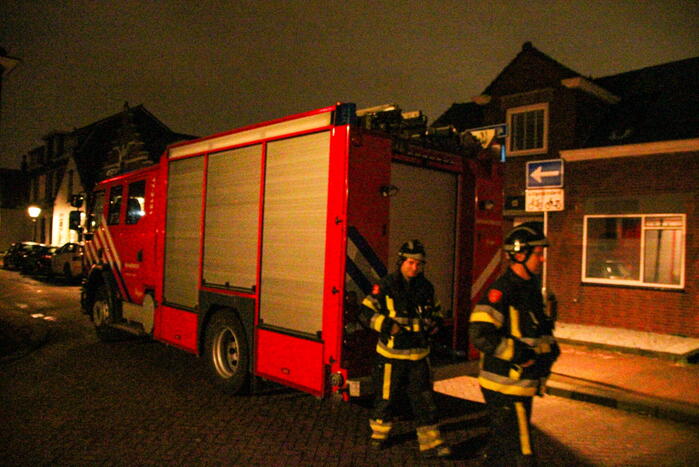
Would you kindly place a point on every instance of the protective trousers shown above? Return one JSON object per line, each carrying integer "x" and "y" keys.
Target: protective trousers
{"x": 510, "y": 442}
{"x": 394, "y": 380}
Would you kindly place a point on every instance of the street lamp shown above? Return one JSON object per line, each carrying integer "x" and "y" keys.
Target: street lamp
{"x": 34, "y": 212}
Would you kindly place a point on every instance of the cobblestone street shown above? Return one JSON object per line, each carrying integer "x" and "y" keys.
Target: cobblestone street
{"x": 77, "y": 401}
{"x": 135, "y": 403}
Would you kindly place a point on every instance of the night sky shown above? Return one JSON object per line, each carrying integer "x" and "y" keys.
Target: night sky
{"x": 208, "y": 66}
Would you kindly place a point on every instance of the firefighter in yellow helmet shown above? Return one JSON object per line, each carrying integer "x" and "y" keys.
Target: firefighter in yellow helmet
{"x": 515, "y": 336}
{"x": 403, "y": 310}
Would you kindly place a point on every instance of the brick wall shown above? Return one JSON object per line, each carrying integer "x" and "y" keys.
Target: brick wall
{"x": 644, "y": 309}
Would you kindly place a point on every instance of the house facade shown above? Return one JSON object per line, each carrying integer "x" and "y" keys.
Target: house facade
{"x": 623, "y": 226}
{"x": 43, "y": 168}
{"x": 71, "y": 163}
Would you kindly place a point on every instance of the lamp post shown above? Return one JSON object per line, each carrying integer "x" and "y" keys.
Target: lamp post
{"x": 34, "y": 212}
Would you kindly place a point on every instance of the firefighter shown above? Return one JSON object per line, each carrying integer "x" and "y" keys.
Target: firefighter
{"x": 515, "y": 337}
{"x": 402, "y": 309}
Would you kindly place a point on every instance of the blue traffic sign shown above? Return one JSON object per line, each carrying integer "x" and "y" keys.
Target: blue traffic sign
{"x": 545, "y": 174}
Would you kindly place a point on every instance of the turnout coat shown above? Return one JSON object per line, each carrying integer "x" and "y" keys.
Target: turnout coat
{"x": 510, "y": 328}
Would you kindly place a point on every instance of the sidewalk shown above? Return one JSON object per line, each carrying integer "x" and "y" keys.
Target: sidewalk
{"x": 681, "y": 349}
{"x": 629, "y": 370}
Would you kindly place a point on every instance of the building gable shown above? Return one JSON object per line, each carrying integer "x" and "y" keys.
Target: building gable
{"x": 134, "y": 133}
{"x": 530, "y": 70}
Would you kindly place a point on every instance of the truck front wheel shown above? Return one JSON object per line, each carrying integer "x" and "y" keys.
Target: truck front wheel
{"x": 227, "y": 352}
{"x": 102, "y": 316}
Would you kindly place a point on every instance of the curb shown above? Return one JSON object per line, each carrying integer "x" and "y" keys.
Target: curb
{"x": 616, "y": 399}
{"x": 689, "y": 357}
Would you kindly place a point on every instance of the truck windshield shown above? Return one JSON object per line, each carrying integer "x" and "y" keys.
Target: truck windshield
{"x": 135, "y": 207}
{"x": 114, "y": 204}
{"x": 96, "y": 211}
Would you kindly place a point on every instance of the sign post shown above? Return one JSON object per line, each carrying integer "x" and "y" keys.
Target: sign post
{"x": 545, "y": 193}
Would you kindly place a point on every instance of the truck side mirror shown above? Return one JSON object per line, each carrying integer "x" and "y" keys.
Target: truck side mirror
{"x": 77, "y": 201}
{"x": 74, "y": 220}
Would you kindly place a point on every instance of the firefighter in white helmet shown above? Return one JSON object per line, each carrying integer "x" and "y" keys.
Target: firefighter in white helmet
{"x": 403, "y": 310}
{"x": 515, "y": 336}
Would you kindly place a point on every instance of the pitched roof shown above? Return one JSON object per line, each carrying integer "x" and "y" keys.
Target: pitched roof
{"x": 530, "y": 69}
{"x": 539, "y": 71}
{"x": 461, "y": 116}
{"x": 96, "y": 140}
{"x": 658, "y": 103}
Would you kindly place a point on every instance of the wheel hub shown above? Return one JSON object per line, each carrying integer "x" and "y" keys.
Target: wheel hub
{"x": 100, "y": 313}
{"x": 226, "y": 353}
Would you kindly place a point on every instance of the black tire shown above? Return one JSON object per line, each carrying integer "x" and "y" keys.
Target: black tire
{"x": 26, "y": 269}
{"x": 67, "y": 274}
{"x": 227, "y": 352}
{"x": 102, "y": 314}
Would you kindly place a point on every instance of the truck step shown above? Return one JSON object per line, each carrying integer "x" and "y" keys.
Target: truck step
{"x": 132, "y": 328}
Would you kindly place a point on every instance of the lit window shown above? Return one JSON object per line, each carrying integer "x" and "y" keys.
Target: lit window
{"x": 527, "y": 130}
{"x": 644, "y": 250}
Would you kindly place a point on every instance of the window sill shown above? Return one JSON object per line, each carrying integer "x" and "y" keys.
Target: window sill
{"x": 528, "y": 152}
{"x": 626, "y": 285}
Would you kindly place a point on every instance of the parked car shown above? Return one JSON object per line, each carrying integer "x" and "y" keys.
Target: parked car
{"x": 68, "y": 261}
{"x": 18, "y": 252}
{"x": 38, "y": 261}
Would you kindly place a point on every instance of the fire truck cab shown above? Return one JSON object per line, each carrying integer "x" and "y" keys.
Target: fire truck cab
{"x": 254, "y": 248}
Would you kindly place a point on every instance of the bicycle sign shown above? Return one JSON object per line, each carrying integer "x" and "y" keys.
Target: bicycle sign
{"x": 544, "y": 200}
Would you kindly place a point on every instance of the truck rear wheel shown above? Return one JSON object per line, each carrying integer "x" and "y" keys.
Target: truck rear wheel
{"x": 227, "y": 352}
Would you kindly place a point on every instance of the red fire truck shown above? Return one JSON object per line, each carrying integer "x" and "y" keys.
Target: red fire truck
{"x": 253, "y": 248}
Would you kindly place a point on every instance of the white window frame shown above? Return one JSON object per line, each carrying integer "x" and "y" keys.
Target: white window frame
{"x": 644, "y": 229}
{"x": 511, "y": 133}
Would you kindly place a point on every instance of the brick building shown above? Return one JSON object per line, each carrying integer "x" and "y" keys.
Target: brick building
{"x": 625, "y": 249}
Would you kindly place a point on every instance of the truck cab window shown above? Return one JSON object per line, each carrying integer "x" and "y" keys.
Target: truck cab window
{"x": 96, "y": 211}
{"x": 135, "y": 207}
{"x": 115, "y": 195}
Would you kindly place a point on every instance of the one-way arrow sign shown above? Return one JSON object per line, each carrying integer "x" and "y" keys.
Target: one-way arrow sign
{"x": 545, "y": 174}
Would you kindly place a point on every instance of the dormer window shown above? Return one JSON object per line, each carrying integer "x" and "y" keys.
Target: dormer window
{"x": 527, "y": 130}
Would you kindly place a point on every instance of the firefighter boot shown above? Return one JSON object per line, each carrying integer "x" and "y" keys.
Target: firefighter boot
{"x": 379, "y": 433}
{"x": 431, "y": 442}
